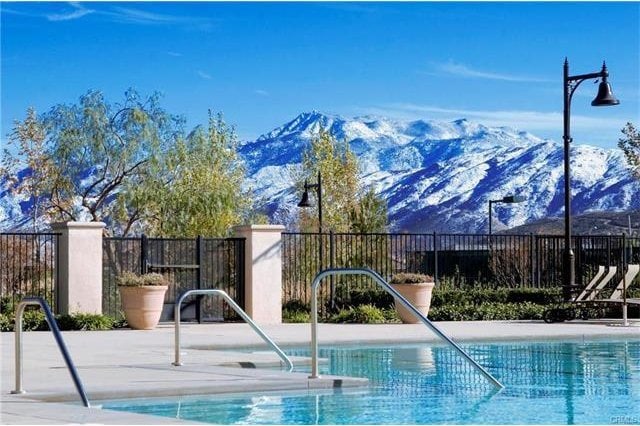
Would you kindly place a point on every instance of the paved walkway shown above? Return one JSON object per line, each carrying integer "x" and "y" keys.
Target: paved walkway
{"x": 127, "y": 363}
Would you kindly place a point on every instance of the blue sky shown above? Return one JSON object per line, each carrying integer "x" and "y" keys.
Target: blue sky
{"x": 261, "y": 64}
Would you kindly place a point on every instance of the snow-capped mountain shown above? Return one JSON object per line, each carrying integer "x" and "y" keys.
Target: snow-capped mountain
{"x": 435, "y": 176}
{"x": 440, "y": 176}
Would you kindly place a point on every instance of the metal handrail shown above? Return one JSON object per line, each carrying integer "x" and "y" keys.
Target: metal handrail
{"x": 53, "y": 325}
{"x": 238, "y": 310}
{"x": 398, "y": 297}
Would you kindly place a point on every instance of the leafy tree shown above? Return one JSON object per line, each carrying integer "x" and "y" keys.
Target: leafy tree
{"x": 346, "y": 205}
{"x": 370, "y": 214}
{"x": 90, "y": 152}
{"x": 196, "y": 188}
{"x": 130, "y": 165}
{"x": 29, "y": 172}
{"x": 630, "y": 145}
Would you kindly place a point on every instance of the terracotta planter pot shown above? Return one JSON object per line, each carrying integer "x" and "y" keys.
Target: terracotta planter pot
{"x": 419, "y": 295}
{"x": 142, "y": 305}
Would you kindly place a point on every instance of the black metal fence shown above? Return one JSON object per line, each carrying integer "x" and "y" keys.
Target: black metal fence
{"x": 28, "y": 267}
{"x": 187, "y": 263}
{"x": 454, "y": 260}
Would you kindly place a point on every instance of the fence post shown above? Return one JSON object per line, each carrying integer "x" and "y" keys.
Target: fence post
{"x": 531, "y": 260}
{"x": 198, "y": 276}
{"x": 435, "y": 259}
{"x": 79, "y": 267}
{"x": 144, "y": 254}
{"x": 538, "y": 260}
{"x": 263, "y": 271}
{"x": 332, "y": 256}
{"x": 579, "y": 261}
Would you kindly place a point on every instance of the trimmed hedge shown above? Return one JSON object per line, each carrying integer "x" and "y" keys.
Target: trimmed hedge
{"x": 479, "y": 296}
{"x": 488, "y": 312}
{"x": 34, "y": 320}
{"x": 363, "y": 314}
{"x": 295, "y": 316}
{"x": 374, "y": 306}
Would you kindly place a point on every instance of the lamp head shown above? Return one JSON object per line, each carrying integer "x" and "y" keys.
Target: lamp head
{"x": 304, "y": 202}
{"x": 513, "y": 199}
{"x": 605, "y": 95}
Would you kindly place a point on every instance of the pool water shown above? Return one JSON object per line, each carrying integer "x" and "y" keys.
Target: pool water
{"x": 592, "y": 382}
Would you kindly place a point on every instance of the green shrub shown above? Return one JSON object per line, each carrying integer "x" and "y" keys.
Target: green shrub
{"x": 85, "y": 322}
{"x": 540, "y": 296}
{"x": 363, "y": 314}
{"x": 34, "y": 320}
{"x": 488, "y": 312}
{"x": 6, "y": 323}
{"x": 295, "y": 316}
{"x": 375, "y": 297}
{"x": 296, "y": 305}
{"x": 6, "y": 305}
{"x": 391, "y": 315}
{"x": 408, "y": 278}
{"x": 130, "y": 279}
{"x": 480, "y": 296}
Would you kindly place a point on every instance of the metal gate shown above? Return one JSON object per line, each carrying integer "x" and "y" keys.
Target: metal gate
{"x": 187, "y": 263}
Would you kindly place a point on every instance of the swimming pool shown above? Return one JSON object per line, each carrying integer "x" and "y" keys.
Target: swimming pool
{"x": 576, "y": 382}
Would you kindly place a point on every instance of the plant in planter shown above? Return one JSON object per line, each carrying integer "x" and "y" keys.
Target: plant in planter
{"x": 417, "y": 289}
{"x": 142, "y": 298}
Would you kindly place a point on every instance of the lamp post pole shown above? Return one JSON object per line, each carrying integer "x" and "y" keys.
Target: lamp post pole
{"x": 305, "y": 203}
{"x": 603, "y": 98}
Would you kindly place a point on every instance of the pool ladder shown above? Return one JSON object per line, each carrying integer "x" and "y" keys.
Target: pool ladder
{"x": 53, "y": 325}
{"x": 399, "y": 298}
{"x": 238, "y": 310}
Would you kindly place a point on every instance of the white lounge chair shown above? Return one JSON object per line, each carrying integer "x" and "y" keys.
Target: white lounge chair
{"x": 616, "y": 295}
{"x": 594, "y": 280}
{"x": 602, "y": 284}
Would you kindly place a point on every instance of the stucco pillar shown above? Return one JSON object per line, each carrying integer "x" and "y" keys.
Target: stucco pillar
{"x": 79, "y": 267}
{"x": 263, "y": 271}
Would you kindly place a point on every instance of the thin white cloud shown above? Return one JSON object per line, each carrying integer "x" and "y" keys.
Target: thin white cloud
{"x": 142, "y": 17}
{"x": 261, "y": 92}
{"x": 204, "y": 75}
{"x": 15, "y": 12}
{"x": 461, "y": 70}
{"x": 127, "y": 15}
{"x": 78, "y": 12}
{"x": 517, "y": 119}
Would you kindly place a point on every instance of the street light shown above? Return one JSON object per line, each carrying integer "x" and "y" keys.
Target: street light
{"x": 509, "y": 200}
{"x": 304, "y": 202}
{"x": 603, "y": 98}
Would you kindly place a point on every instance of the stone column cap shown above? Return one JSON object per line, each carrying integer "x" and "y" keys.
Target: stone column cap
{"x": 77, "y": 225}
{"x": 259, "y": 228}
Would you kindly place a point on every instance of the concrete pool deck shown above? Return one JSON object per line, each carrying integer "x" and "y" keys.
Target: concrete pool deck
{"x": 127, "y": 363}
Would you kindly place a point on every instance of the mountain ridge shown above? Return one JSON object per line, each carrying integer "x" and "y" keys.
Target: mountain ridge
{"x": 439, "y": 176}
{"x": 435, "y": 176}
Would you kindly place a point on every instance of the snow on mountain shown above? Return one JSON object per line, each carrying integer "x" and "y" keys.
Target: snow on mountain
{"x": 435, "y": 176}
{"x": 440, "y": 176}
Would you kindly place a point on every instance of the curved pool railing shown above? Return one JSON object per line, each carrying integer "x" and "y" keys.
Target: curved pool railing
{"x": 53, "y": 325}
{"x": 399, "y": 298}
{"x": 238, "y": 310}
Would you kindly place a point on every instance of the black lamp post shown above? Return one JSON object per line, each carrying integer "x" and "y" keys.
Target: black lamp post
{"x": 304, "y": 202}
{"x": 305, "y": 198}
{"x": 603, "y": 98}
{"x": 508, "y": 199}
